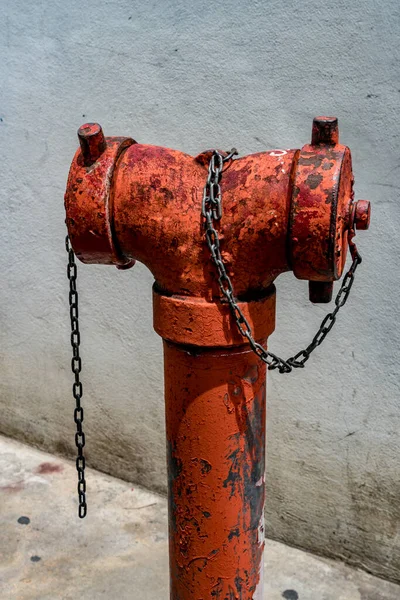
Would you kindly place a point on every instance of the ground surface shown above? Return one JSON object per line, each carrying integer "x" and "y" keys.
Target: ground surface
{"x": 120, "y": 550}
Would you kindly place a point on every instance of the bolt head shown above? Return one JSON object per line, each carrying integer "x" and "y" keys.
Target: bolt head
{"x": 362, "y": 214}
{"x": 320, "y": 292}
{"x": 92, "y": 142}
{"x": 325, "y": 131}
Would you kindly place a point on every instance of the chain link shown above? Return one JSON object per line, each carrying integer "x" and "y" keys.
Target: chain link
{"x": 76, "y": 366}
{"x": 212, "y": 212}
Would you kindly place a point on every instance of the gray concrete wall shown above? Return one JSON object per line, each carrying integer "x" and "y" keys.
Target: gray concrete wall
{"x": 194, "y": 76}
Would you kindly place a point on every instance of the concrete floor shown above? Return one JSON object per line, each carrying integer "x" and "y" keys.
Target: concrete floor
{"x": 120, "y": 549}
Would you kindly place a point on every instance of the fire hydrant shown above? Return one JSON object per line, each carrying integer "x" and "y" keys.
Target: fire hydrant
{"x": 282, "y": 210}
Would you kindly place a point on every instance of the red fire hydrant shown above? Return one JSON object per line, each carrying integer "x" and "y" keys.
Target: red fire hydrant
{"x": 283, "y": 210}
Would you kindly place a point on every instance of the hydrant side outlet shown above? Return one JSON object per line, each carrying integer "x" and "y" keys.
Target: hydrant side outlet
{"x": 88, "y": 197}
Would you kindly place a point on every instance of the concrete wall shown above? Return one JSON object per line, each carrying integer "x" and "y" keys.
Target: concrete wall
{"x": 194, "y": 76}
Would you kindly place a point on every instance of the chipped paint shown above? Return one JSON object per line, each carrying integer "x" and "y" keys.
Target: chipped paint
{"x": 221, "y": 458}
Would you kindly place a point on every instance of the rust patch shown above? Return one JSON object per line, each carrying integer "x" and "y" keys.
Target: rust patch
{"x": 314, "y": 180}
{"x": 46, "y": 468}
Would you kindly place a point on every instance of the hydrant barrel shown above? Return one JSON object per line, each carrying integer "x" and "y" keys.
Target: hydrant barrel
{"x": 215, "y": 418}
{"x": 215, "y": 394}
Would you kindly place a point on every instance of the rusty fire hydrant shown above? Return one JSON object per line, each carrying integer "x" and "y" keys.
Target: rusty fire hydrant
{"x": 283, "y": 210}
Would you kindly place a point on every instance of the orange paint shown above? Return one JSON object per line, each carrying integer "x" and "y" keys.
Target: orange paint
{"x": 215, "y": 414}
{"x": 195, "y": 322}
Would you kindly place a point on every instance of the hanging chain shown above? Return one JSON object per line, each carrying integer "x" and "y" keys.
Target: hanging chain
{"x": 212, "y": 212}
{"x": 76, "y": 366}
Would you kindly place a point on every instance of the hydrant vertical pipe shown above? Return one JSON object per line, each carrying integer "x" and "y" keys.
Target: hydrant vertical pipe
{"x": 215, "y": 416}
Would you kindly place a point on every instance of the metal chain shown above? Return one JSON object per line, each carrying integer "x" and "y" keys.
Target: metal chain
{"x": 76, "y": 366}
{"x": 212, "y": 212}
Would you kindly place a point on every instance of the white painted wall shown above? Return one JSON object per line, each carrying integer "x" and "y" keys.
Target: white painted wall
{"x": 194, "y": 76}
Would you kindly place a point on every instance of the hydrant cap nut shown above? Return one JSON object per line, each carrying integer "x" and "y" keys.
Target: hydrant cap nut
{"x": 89, "y": 129}
{"x": 362, "y": 214}
{"x": 325, "y": 130}
{"x": 92, "y": 142}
